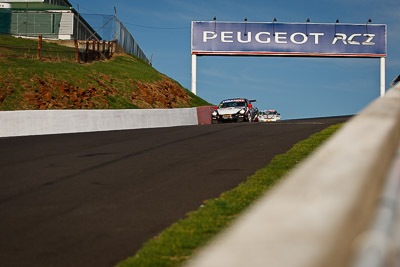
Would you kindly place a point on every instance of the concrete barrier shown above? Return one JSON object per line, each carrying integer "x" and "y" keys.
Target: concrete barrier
{"x": 320, "y": 212}
{"x": 204, "y": 114}
{"x": 38, "y": 122}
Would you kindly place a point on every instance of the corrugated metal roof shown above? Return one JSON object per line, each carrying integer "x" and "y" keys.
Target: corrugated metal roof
{"x": 37, "y": 6}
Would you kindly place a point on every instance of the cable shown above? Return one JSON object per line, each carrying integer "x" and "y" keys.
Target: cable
{"x": 133, "y": 24}
{"x": 159, "y": 28}
{"x": 96, "y": 14}
{"x": 82, "y": 7}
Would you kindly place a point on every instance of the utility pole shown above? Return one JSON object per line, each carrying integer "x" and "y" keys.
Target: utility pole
{"x": 77, "y": 24}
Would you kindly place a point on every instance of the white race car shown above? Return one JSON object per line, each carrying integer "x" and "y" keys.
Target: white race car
{"x": 235, "y": 109}
{"x": 268, "y": 115}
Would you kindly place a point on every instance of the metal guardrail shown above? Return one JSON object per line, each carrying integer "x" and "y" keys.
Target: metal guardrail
{"x": 320, "y": 214}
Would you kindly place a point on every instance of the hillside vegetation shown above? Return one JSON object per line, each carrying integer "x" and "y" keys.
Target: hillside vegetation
{"x": 56, "y": 82}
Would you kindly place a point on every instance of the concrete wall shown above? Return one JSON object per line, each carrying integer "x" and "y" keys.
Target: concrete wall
{"x": 320, "y": 213}
{"x": 204, "y": 114}
{"x": 37, "y": 122}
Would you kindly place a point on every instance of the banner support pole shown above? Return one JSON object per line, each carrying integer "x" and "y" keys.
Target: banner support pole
{"x": 383, "y": 77}
{"x": 194, "y": 70}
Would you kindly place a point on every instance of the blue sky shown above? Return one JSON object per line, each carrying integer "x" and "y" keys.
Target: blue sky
{"x": 296, "y": 87}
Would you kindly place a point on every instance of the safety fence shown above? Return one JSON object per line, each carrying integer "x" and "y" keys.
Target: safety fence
{"x": 57, "y": 50}
{"x": 111, "y": 28}
{"x": 128, "y": 43}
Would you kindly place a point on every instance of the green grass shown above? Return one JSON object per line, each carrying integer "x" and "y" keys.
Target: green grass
{"x": 22, "y": 47}
{"x": 20, "y": 72}
{"x": 177, "y": 243}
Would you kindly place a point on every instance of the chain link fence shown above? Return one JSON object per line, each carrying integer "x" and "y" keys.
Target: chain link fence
{"x": 111, "y": 28}
{"x": 128, "y": 43}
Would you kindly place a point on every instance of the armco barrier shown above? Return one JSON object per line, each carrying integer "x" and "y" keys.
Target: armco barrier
{"x": 320, "y": 213}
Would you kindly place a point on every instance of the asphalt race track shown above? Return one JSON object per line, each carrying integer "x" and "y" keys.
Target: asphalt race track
{"x": 92, "y": 199}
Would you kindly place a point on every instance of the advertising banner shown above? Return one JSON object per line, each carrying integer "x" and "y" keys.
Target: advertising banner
{"x": 288, "y": 39}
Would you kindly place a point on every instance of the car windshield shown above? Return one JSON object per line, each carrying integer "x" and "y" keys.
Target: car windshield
{"x": 232, "y": 104}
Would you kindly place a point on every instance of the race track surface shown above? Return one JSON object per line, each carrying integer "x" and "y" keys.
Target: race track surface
{"x": 92, "y": 199}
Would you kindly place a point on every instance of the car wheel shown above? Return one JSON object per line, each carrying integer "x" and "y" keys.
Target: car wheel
{"x": 214, "y": 121}
{"x": 240, "y": 119}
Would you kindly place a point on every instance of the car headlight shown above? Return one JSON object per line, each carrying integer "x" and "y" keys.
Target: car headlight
{"x": 215, "y": 113}
{"x": 242, "y": 111}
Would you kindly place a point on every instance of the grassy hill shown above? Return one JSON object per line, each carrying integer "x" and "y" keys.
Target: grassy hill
{"x": 56, "y": 82}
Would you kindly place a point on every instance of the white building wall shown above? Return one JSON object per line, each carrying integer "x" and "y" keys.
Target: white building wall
{"x": 66, "y": 26}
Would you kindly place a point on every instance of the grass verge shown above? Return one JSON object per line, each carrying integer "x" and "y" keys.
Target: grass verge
{"x": 178, "y": 242}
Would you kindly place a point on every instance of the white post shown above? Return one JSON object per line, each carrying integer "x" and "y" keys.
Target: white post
{"x": 383, "y": 77}
{"x": 194, "y": 63}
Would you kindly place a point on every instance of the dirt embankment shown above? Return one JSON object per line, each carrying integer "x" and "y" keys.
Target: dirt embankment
{"x": 163, "y": 94}
{"x": 53, "y": 93}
